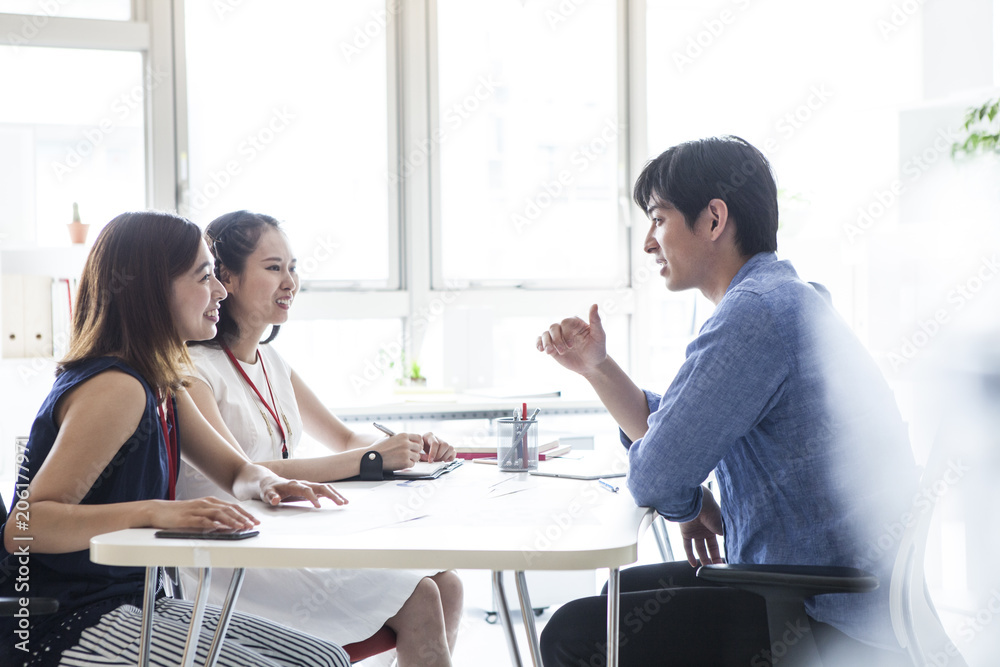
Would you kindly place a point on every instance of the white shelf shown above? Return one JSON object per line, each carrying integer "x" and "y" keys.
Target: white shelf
{"x": 58, "y": 262}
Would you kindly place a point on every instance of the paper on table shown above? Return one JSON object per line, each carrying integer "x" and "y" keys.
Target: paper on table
{"x": 586, "y": 468}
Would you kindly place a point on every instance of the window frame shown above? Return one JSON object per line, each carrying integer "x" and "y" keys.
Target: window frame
{"x": 149, "y": 33}
{"x": 416, "y": 285}
{"x": 426, "y": 281}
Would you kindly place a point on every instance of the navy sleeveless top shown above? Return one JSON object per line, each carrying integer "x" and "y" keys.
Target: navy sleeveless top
{"x": 139, "y": 471}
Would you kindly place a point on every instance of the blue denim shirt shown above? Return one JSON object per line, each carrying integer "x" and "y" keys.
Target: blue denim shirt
{"x": 812, "y": 458}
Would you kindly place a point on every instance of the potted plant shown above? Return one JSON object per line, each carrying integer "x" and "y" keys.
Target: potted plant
{"x": 77, "y": 230}
{"x": 411, "y": 373}
{"x": 982, "y": 128}
{"x": 415, "y": 377}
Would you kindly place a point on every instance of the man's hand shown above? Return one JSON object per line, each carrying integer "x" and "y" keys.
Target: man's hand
{"x": 699, "y": 535}
{"x": 577, "y": 345}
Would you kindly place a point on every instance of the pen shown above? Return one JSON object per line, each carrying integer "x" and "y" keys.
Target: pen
{"x": 612, "y": 489}
{"x": 387, "y": 431}
{"x": 524, "y": 436}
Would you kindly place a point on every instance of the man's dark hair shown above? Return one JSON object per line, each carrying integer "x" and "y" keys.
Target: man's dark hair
{"x": 691, "y": 174}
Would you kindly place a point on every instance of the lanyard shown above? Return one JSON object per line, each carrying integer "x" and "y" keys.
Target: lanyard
{"x": 273, "y": 411}
{"x": 170, "y": 440}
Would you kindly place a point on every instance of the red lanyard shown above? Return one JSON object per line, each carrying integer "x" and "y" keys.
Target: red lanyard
{"x": 170, "y": 440}
{"x": 272, "y": 410}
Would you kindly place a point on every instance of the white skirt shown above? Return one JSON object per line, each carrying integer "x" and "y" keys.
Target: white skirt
{"x": 341, "y": 606}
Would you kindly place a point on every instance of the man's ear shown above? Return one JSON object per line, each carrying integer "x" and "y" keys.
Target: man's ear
{"x": 718, "y": 218}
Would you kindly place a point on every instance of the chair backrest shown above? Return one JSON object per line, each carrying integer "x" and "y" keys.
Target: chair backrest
{"x": 915, "y": 621}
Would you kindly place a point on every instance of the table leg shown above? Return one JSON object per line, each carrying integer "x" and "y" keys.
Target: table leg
{"x": 614, "y": 590}
{"x": 225, "y": 615}
{"x": 197, "y": 615}
{"x": 529, "y": 618}
{"x": 148, "y": 600}
{"x": 503, "y": 613}
{"x": 662, "y": 539}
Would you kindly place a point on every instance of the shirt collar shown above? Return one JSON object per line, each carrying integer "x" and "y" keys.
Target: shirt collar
{"x": 760, "y": 259}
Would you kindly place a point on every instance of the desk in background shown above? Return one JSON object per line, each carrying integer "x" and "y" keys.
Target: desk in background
{"x": 473, "y": 518}
{"x": 465, "y": 407}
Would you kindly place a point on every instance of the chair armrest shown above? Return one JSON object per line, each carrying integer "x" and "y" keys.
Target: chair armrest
{"x": 790, "y": 580}
{"x": 10, "y": 606}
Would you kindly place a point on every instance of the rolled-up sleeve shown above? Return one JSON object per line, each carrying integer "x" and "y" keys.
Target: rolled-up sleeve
{"x": 653, "y": 403}
{"x": 734, "y": 372}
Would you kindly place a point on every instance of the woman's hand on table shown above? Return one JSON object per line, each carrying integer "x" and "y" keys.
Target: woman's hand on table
{"x": 436, "y": 449}
{"x": 275, "y": 490}
{"x": 207, "y": 513}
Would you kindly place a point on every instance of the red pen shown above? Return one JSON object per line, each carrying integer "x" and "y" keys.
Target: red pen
{"x": 524, "y": 437}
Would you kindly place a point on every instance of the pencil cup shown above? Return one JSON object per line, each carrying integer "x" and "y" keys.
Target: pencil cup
{"x": 517, "y": 444}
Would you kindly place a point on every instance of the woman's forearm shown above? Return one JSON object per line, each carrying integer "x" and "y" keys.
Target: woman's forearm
{"x": 63, "y": 528}
{"x": 327, "y": 468}
{"x": 249, "y": 481}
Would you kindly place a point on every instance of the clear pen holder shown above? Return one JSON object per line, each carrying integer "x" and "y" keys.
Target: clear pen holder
{"x": 517, "y": 445}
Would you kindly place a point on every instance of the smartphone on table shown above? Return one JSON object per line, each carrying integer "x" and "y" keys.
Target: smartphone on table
{"x": 206, "y": 534}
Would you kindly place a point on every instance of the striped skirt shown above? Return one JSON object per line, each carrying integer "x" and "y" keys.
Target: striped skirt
{"x": 250, "y": 641}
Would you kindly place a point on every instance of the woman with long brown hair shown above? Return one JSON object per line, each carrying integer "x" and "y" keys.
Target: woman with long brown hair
{"x": 104, "y": 453}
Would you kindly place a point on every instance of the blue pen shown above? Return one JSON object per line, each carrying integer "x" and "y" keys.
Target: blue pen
{"x": 612, "y": 489}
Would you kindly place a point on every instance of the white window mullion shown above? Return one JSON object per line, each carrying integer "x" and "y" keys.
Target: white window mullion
{"x": 161, "y": 171}
{"x": 394, "y": 127}
{"x": 632, "y": 51}
{"x": 65, "y": 33}
{"x": 416, "y": 157}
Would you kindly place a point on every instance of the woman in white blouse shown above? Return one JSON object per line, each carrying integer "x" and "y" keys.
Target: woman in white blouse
{"x": 258, "y": 403}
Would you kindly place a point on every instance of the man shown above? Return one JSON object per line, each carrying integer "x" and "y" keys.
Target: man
{"x": 778, "y": 398}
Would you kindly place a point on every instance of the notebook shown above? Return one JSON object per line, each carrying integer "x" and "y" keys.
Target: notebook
{"x": 427, "y": 469}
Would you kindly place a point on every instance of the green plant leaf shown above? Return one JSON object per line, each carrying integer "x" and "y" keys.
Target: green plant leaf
{"x": 981, "y": 129}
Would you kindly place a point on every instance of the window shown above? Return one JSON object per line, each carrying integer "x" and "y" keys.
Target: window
{"x": 75, "y": 137}
{"x": 528, "y": 135}
{"x": 287, "y": 115}
{"x": 823, "y": 105}
{"x": 359, "y": 359}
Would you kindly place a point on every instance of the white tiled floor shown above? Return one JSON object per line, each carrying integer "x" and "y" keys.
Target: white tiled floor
{"x": 481, "y": 644}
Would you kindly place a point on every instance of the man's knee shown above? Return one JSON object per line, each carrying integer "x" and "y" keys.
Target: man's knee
{"x": 566, "y": 641}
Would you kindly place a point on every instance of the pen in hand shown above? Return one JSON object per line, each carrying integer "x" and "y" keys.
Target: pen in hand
{"x": 388, "y": 431}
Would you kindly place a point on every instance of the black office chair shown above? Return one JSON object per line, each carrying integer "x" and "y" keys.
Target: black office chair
{"x": 11, "y": 606}
{"x": 784, "y": 588}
